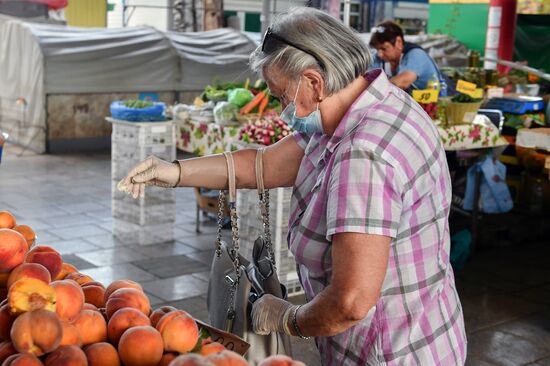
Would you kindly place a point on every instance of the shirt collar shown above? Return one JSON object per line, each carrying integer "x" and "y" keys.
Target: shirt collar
{"x": 376, "y": 91}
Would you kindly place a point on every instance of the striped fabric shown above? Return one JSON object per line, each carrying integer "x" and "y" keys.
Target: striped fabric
{"x": 382, "y": 172}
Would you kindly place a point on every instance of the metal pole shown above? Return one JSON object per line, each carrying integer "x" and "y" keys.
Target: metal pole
{"x": 266, "y": 15}
{"x": 170, "y": 16}
{"x": 347, "y": 10}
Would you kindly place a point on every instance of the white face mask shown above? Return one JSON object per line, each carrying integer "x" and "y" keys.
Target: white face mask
{"x": 309, "y": 124}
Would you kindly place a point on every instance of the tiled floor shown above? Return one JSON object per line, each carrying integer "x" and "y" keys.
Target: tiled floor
{"x": 67, "y": 198}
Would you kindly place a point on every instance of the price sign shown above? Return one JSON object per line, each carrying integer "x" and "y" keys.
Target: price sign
{"x": 425, "y": 96}
{"x": 466, "y": 87}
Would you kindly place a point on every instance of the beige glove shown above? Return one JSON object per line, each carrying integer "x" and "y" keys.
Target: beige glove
{"x": 153, "y": 172}
{"x": 271, "y": 314}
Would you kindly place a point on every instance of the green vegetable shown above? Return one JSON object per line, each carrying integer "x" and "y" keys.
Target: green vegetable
{"x": 133, "y": 103}
{"x": 215, "y": 94}
{"x": 464, "y": 98}
{"x": 239, "y": 96}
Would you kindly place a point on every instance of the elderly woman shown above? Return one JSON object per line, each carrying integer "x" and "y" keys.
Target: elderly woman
{"x": 369, "y": 213}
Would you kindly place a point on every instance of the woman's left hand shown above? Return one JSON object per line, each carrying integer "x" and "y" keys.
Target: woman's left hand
{"x": 268, "y": 315}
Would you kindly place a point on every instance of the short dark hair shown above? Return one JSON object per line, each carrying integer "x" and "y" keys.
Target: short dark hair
{"x": 385, "y": 32}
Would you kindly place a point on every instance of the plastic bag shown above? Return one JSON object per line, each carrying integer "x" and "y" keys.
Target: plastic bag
{"x": 224, "y": 113}
{"x": 239, "y": 96}
{"x": 154, "y": 113}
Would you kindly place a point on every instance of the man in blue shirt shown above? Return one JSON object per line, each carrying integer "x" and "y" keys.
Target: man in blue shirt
{"x": 407, "y": 65}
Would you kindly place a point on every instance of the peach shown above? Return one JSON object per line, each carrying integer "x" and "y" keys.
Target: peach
{"x": 190, "y": 360}
{"x": 102, "y": 354}
{"x": 167, "y": 358}
{"x": 127, "y": 298}
{"x": 140, "y": 346}
{"x": 30, "y": 294}
{"x": 13, "y": 248}
{"x": 29, "y": 270}
{"x": 122, "y": 320}
{"x": 227, "y": 358}
{"x": 213, "y": 347}
{"x": 71, "y": 335}
{"x": 179, "y": 331}
{"x": 280, "y": 360}
{"x": 7, "y": 221}
{"x": 67, "y": 356}
{"x": 6, "y": 350}
{"x": 79, "y": 278}
{"x": 118, "y": 284}
{"x": 28, "y": 233}
{"x": 48, "y": 257}
{"x": 66, "y": 268}
{"x": 6, "y": 320}
{"x": 159, "y": 313}
{"x": 36, "y": 332}
{"x": 89, "y": 307}
{"x": 92, "y": 326}
{"x": 94, "y": 293}
{"x": 4, "y": 278}
{"x": 22, "y": 359}
{"x": 70, "y": 299}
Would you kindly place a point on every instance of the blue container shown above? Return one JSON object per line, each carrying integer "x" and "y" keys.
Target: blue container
{"x": 154, "y": 113}
{"x": 516, "y": 105}
{"x": 1, "y": 148}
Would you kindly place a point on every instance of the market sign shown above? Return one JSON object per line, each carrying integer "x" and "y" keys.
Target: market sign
{"x": 470, "y": 89}
{"x": 425, "y": 96}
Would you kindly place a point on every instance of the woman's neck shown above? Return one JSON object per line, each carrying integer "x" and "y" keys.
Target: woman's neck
{"x": 334, "y": 108}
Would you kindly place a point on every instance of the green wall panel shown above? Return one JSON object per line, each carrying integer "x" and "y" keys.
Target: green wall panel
{"x": 252, "y": 22}
{"x": 465, "y": 22}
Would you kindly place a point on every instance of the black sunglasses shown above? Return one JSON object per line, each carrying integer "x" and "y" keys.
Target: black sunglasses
{"x": 273, "y": 42}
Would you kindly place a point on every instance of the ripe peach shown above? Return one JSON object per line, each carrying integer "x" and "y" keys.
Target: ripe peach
{"x": 102, "y": 354}
{"x": 67, "y": 356}
{"x": 159, "y": 313}
{"x": 92, "y": 326}
{"x": 36, "y": 332}
{"x": 79, "y": 278}
{"x": 28, "y": 233}
{"x": 4, "y": 278}
{"x": 280, "y": 360}
{"x": 227, "y": 358}
{"x": 6, "y": 320}
{"x": 70, "y": 299}
{"x": 89, "y": 307}
{"x": 30, "y": 294}
{"x": 13, "y": 248}
{"x": 66, "y": 268}
{"x": 71, "y": 335}
{"x": 94, "y": 293}
{"x": 22, "y": 359}
{"x": 190, "y": 359}
{"x": 179, "y": 331}
{"x": 213, "y": 347}
{"x": 29, "y": 270}
{"x": 7, "y": 221}
{"x": 122, "y": 320}
{"x": 6, "y": 350}
{"x": 167, "y": 358}
{"x": 140, "y": 346}
{"x": 48, "y": 257}
{"x": 118, "y": 284}
{"x": 127, "y": 298}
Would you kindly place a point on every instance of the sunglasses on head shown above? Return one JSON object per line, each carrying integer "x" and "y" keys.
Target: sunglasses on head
{"x": 273, "y": 42}
{"x": 378, "y": 29}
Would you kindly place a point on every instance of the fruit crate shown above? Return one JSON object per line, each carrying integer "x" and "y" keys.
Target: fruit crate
{"x": 143, "y": 133}
{"x": 250, "y": 227}
{"x": 154, "y": 196}
{"x": 124, "y": 157}
{"x": 131, "y": 233}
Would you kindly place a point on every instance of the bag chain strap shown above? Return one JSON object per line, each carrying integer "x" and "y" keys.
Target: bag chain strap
{"x": 264, "y": 210}
{"x": 221, "y": 205}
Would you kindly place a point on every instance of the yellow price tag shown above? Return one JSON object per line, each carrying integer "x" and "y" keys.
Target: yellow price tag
{"x": 477, "y": 94}
{"x": 466, "y": 87}
{"x": 425, "y": 96}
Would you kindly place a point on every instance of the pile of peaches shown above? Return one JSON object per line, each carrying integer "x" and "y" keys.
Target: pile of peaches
{"x": 53, "y": 315}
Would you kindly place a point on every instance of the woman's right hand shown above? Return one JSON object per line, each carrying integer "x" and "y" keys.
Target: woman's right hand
{"x": 152, "y": 172}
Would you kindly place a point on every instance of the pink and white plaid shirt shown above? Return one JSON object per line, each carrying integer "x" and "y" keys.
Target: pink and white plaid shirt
{"x": 383, "y": 172}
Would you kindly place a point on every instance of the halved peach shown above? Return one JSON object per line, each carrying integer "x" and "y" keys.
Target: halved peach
{"x": 30, "y": 294}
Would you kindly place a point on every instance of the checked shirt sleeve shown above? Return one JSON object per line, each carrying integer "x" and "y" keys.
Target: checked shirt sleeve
{"x": 364, "y": 195}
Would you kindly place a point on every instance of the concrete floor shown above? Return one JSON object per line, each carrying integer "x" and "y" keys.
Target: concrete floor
{"x": 505, "y": 292}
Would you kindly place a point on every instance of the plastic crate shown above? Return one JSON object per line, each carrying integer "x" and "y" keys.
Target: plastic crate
{"x": 124, "y": 157}
{"x": 137, "y": 213}
{"x": 144, "y": 134}
{"x": 516, "y": 105}
{"x": 131, "y": 233}
{"x": 153, "y": 195}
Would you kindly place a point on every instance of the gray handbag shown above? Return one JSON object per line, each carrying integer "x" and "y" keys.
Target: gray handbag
{"x": 235, "y": 282}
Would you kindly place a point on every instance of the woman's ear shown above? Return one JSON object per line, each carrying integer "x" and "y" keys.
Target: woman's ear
{"x": 316, "y": 82}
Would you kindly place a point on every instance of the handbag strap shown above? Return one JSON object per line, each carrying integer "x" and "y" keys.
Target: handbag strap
{"x": 263, "y": 194}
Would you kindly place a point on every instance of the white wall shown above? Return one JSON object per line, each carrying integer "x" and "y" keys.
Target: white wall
{"x": 155, "y": 17}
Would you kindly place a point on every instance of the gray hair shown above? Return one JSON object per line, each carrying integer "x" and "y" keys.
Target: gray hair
{"x": 342, "y": 53}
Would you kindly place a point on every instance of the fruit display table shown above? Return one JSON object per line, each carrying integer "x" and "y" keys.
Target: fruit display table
{"x": 202, "y": 138}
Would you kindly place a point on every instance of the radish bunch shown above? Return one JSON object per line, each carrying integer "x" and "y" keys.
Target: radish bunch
{"x": 430, "y": 109}
{"x": 265, "y": 131}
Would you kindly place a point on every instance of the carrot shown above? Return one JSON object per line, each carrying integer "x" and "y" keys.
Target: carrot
{"x": 248, "y": 107}
{"x": 263, "y": 105}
